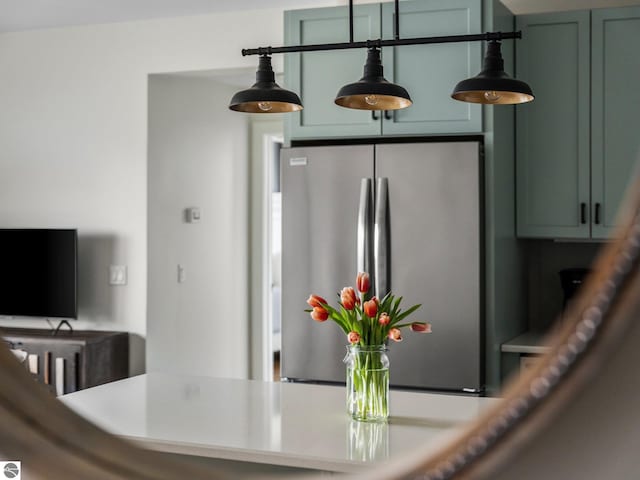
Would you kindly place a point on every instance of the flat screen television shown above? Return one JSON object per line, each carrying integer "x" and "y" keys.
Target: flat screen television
{"x": 39, "y": 273}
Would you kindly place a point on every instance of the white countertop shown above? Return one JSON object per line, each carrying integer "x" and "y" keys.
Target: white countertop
{"x": 528, "y": 342}
{"x": 293, "y": 424}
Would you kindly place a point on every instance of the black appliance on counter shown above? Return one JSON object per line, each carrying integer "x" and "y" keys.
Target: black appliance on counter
{"x": 571, "y": 279}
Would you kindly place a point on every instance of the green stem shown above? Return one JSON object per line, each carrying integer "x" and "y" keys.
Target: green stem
{"x": 368, "y": 384}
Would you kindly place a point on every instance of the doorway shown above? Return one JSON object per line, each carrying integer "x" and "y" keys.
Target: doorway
{"x": 274, "y": 145}
{"x": 266, "y": 142}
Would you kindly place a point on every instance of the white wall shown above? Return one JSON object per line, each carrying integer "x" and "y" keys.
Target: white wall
{"x": 198, "y": 157}
{"x": 73, "y": 140}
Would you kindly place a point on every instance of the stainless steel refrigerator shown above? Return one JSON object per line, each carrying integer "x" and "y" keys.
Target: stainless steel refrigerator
{"x": 410, "y": 215}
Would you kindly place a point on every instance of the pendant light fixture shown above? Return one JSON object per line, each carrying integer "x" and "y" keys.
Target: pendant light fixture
{"x": 373, "y": 91}
{"x": 492, "y": 85}
{"x": 265, "y": 96}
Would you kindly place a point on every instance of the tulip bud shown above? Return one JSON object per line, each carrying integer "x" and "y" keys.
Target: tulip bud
{"x": 384, "y": 319}
{"x": 421, "y": 327}
{"x": 375, "y": 299}
{"x": 319, "y": 314}
{"x": 348, "y": 298}
{"x": 363, "y": 282}
{"x": 370, "y": 308}
{"x": 353, "y": 337}
{"x": 395, "y": 335}
{"x": 315, "y": 301}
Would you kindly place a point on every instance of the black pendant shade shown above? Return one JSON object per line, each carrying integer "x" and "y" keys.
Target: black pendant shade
{"x": 265, "y": 96}
{"x": 492, "y": 85}
{"x": 372, "y": 91}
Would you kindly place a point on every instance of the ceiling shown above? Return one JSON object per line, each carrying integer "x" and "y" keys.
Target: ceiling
{"x": 18, "y": 15}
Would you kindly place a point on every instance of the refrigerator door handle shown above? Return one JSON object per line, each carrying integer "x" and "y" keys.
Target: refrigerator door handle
{"x": 363, "y": 235}
{"x": 381, "y": 252}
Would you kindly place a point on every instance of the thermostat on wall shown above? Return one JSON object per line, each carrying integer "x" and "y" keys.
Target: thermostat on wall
{"x": 192, "y": 215}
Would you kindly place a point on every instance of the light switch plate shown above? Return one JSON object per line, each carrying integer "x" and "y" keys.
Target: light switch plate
{"x": 33, "y": 363}
{"x": 192, "y": 215}
{"x": 118, "y": 275}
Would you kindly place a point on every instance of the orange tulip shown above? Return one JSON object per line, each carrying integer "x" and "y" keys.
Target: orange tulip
{"x": 370, "y": 308}
{"x": 421, "y": 327}
{"x": 319, "y": 314}
{"x": 363, "y": 282}
{"x": 316, "y": 301}
{"x": 353, "y": 337}
{"x": 384, "y": 319}
{"x": 395, "y": 335}
{"x": 348, "y": 298}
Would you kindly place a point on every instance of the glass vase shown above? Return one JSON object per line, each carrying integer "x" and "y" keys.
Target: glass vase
{"x": 368, "y": 441}
{"x": 367, "y": 383}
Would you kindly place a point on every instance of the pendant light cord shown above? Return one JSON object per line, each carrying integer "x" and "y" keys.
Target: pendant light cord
{"x": 350, "y": 21}
{"x": 396, "y": 35}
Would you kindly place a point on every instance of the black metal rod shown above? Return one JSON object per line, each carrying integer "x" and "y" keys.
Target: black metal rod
{"x": 488, "y": 36}
{"x": 350, "y": 21}
{"x": 396, "y": 34}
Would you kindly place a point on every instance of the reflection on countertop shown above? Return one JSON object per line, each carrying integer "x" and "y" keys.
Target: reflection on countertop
{"x": 292, "y": 424}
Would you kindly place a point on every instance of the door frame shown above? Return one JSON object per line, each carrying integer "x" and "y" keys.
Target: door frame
{"x": 264, "y": 132}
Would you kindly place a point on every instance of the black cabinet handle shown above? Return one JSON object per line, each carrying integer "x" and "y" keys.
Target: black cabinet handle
{"x": 597, "y": 214}
{"x": 374, "y": 116}
{"x": 583, "y": 213}
{"x": 388, "y": 115}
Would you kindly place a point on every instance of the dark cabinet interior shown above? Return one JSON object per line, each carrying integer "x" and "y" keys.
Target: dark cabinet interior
{"x": 70, "y": 361}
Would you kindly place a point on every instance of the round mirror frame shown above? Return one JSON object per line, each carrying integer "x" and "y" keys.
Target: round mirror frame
{"x": 55, "y": 443}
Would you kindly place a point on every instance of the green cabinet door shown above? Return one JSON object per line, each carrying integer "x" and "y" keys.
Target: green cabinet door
{"x": 552, "y": 132}
{"x": 430, "y": 72}
{"x": 317, "y": 76}
{"x": 615, "y": 140}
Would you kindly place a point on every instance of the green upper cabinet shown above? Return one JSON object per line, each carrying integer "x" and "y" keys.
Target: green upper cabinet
{"x": 430, "y": 72}
{"x": 577, "y": 144}
{"x": 317, "y": 76}
{"x": 552, "y": 132}
{"x": 615, "y": 140}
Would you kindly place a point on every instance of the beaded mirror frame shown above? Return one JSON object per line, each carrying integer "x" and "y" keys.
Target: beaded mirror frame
{"x": 55, "y": 443}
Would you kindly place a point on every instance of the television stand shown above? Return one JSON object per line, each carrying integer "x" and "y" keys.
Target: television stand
{"x": 63, "y": 322}
{"x": 65, "y": 361}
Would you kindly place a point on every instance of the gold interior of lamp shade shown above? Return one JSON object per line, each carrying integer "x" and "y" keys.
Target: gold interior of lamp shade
{"x": 493, "y": 97}
{"x": 382, "y": 102}
{"x": 266, "y": 107}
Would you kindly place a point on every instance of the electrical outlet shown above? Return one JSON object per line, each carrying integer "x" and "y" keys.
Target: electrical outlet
{"x": 182, "y": 274}
{"x": 118, "y": 275}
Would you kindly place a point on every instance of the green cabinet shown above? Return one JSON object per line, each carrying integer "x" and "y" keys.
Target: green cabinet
{"x": 615, "y": 105}
{"x": 552, "y": 132}
{"x": 576, "y": 144}
{"x": 317, "y": 76}
{"x": 428, "y": 72}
